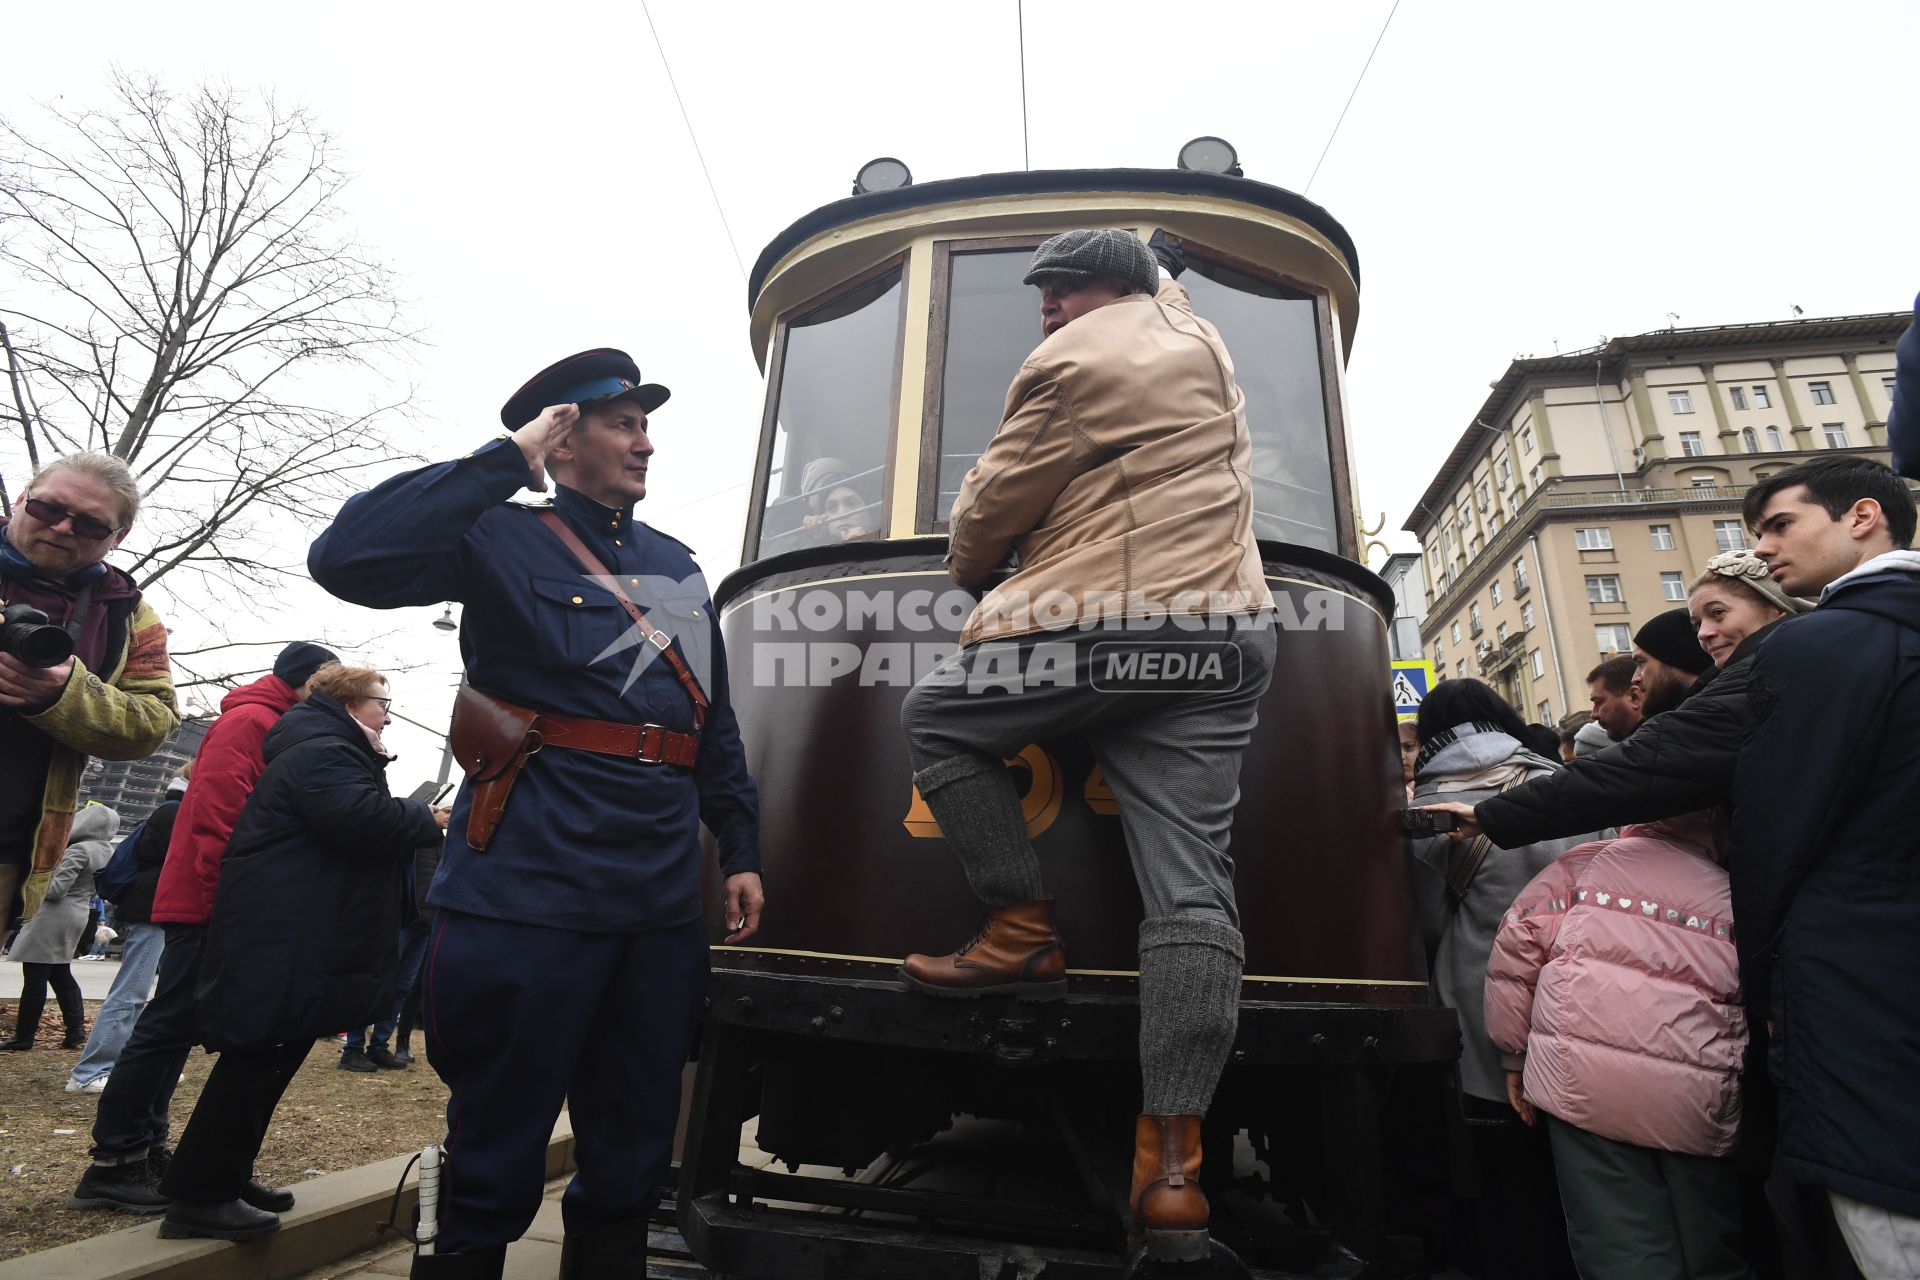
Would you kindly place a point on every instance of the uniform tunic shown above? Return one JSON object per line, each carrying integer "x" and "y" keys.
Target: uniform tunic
{"x": 590, "y": 842}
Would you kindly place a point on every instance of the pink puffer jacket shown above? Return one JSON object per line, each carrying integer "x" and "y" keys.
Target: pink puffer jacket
{"x": 1614, "y": 973}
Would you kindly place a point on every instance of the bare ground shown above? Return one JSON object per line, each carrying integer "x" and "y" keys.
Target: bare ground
{"x": 328, "y": 1121}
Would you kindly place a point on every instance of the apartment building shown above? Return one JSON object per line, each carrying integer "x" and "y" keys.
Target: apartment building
{"x": 1405, "y": 573}
{"x": 1589, "y": 489}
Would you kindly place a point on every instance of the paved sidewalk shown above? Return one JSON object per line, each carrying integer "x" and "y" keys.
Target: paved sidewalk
{"x": 94, "y": 977}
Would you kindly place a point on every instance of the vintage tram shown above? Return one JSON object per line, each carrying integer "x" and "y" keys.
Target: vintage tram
{"x": 908, "y": 1137}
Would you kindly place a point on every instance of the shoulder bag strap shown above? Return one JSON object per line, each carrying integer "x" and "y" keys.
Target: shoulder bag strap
{"x": 1462, "y": 870}
{"x": 654, "y": 636}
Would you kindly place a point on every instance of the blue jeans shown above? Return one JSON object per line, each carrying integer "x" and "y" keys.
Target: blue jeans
{"x": 413, "y": 949}
{"x": 139, "y": 956}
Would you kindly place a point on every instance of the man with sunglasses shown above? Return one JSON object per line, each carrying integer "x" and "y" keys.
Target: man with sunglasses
{"x": 568, "y": 960}
{"x": 113, "y": 698}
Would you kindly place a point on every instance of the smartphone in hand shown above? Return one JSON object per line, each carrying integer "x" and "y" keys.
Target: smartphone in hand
{"x": 1427, "y": 822}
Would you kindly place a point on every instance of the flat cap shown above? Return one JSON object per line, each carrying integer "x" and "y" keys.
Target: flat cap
{"x": 1117, "y": 255}
{"x": 587, "y": 379}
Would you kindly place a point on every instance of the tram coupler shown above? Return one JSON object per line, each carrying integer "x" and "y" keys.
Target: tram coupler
{"x": 1220, "y": 1263}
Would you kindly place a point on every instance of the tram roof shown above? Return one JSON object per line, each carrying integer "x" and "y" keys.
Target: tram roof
{"x": 1050, "y": 182}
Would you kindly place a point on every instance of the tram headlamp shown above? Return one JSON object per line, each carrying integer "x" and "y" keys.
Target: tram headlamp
{"x": 883, "y": 174}
{"x": 1210, "y": 155}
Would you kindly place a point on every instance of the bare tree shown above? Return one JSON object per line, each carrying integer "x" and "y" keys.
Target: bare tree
{"x": 177, "y": 289}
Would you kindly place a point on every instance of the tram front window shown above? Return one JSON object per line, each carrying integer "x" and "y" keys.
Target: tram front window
{"x": 839, "y": 380}
{"x": 993, "y": 324}
{"x": 1270, "y": 331}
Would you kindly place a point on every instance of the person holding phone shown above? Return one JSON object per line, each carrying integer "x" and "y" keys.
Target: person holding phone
{"x": 568, "y": 960}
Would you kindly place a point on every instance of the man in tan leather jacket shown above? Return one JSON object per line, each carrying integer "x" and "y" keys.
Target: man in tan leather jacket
{"x": 1139, "y": 616}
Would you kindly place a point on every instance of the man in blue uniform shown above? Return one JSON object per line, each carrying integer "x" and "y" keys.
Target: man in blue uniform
{"x": 569, "y": 960}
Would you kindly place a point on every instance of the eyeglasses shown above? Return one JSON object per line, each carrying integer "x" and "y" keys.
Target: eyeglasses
{"x": 386, "y": 704}
{"x": 52, "y": 514}
{"x": 1054, "y": 288}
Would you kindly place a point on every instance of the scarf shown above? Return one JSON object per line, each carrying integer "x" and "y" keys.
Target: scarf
{"x": 22, "y": 583}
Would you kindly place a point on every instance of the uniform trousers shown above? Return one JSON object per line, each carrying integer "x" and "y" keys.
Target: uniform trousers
{"x": 521, "y": 1018}
{"x": 215, "y": 1156}
{"x": 133, "y": 1110}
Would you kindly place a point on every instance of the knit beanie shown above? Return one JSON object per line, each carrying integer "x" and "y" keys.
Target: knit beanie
{"x": 299, "y": 660}
{"x": 1670, "y": 638}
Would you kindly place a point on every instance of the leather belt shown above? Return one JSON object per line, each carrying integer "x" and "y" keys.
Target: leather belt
{"x": 647, "y": 743}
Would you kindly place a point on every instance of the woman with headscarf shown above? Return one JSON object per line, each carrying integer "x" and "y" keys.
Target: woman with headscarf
{"x": 836, "y": 511}
{"x": 1472, "y": 745}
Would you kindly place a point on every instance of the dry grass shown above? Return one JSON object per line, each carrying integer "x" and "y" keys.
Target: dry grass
{"x": 328, "y": 1121}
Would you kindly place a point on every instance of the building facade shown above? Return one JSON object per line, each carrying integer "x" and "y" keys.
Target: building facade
{"x": 1590, "y": 489}
{"x": 1405, "y": 572}
{"x": 134, "y": 788}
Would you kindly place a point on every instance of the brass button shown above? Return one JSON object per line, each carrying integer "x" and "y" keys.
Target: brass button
{"x": 578, "y": 600}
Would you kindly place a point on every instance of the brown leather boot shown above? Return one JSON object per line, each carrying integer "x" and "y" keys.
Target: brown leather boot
{"x": 1168, "y": 1212}
{"x": 1015, "y": 953}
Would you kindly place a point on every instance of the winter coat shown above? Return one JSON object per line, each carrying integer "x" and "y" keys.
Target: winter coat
{"x": 1825, "y": 861}
{"x": 1615, "y": 975}
{"x": 54, "y": 932}
{"x": 150, "y": 855}
{"x": 224, "y": 772}
{"x": 118, "y": 705}
{"x": 1678, "y": 762}
{"x": 312, "y": 888}
{"x": 1460, "y": 939}
{"x": 1121, "y": 474}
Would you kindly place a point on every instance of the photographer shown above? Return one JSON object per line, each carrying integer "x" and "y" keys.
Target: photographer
{"x": 111, "y": 697}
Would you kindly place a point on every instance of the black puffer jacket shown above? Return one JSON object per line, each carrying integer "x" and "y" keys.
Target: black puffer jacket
{"x": 135, "y": 906}
{"x": 1676, "y": 762}
{"x": 312, "y": 888}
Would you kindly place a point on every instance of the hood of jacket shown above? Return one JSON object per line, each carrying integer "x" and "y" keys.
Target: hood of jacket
{"x": 94, "y": 822}
{"x": 1887, "y": 586}
{"x": 320, "y": 716}
{"x": 268, "y": 691}
{"x": 1474, "y": 749}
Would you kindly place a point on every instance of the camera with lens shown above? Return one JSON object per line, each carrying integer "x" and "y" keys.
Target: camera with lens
{"x": 26, "y": 634}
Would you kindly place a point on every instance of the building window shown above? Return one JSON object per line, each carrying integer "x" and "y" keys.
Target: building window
{"x": 1728, "y": 535}
{"x": 1473, "y": 617}
{"x": 1460, "y": 669}
{"x": 1526, "y": 437}
{"x": 1493, "y": 526}
{"x": 1617, "y": 638}
{"x": 1761, "y": 399}
{"x": 1496, "y": 591}
{"x": 1822, "y": 392}
{"x": 1773, "y": 439}
{"x": 1546, "y": 711}
{"x": 1680, "y": 401}
{"x": 1536, "y": 664}
{"x": 1603, "y": 588}
{"x": 1672, "y": 587}
{"x": 1759, "y": 476}
{"x": 1534, "y": 475}
{"x": 1505, "y": 464}
{"x": 1500, "y": 633}
{"x": 1456, "y": 633}
{"x": 1739, "y": 397}
{"x": 1440, "y": 655}
{"x": 1690, "y": 445}
{"x": 1526, "y": 615}
{"x": 1662, "y": 536}
{"x": 1593, "y": 539}
{"x": 1836, "y": 433}
{"x": 1473, "y": 547}
{"x": 1749, "y": 440}
{"x": 1703, "y": 482}
{"x": 1519, "y": 577}
{"x": 1483, "y": 494}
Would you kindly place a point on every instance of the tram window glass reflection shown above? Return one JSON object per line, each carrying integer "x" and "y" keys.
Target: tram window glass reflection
{"x": 1271, "y": 333}
{"x": 993, "y": 324}
{"x": 839, "y": 380}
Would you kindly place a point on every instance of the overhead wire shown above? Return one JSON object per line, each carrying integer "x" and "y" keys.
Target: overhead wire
{"x": 1020, "y": 16}
{"x": 1350, "y": 97}
{"x": 694, "y": 138}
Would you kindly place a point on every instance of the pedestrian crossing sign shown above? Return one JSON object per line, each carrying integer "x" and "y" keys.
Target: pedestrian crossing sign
{"x": 1411, "y": 681}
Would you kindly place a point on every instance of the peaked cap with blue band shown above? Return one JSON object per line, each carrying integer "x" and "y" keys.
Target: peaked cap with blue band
{"x": 590, "y": 378}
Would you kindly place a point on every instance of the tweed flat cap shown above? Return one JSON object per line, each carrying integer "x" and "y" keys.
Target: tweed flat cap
{"x": 1118, "y": 255}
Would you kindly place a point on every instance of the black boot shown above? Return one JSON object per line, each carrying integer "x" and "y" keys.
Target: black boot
{"x": 74, "y": 1014}
{"x": 261, "y": 1196}
{"x": 616, "y": 1252}
{"x": 129, "y": 1187}
{"x": 470, "y": 1264}
{"x": 230, "y": 1220}
{"x": 26, "y": 1021}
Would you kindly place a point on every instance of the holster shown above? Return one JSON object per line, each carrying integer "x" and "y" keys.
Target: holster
{"x": 493, "y": 740}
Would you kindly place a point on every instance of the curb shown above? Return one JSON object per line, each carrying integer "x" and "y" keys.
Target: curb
{"x": 335, "y": 1218}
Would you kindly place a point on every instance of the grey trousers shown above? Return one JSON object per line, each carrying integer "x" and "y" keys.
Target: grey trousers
{"x": 1634, "y": 1213}
{"x": 1171, "y": 753}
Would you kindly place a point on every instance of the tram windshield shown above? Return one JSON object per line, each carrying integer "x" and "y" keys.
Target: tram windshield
{"x": 993, "y": 322}
{"x": 838, "y": 396}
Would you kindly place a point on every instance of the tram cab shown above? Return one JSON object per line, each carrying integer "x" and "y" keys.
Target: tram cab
{"x": 888, "y": 326}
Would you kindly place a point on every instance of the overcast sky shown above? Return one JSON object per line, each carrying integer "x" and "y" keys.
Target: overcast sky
{"x": 1514, "y": 174}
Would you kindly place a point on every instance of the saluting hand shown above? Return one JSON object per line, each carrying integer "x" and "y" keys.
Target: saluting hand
{"x": 745, "y": 898}
{"x": 538, "y": 438}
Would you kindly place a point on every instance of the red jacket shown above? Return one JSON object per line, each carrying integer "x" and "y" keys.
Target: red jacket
{"x": 224, "y": 772}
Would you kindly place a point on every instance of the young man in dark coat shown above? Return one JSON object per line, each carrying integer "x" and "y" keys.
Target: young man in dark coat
{"x": 1825, "y": 852}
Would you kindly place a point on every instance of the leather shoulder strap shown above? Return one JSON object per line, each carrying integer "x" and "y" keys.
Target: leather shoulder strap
{"x": 654, "y": 636}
